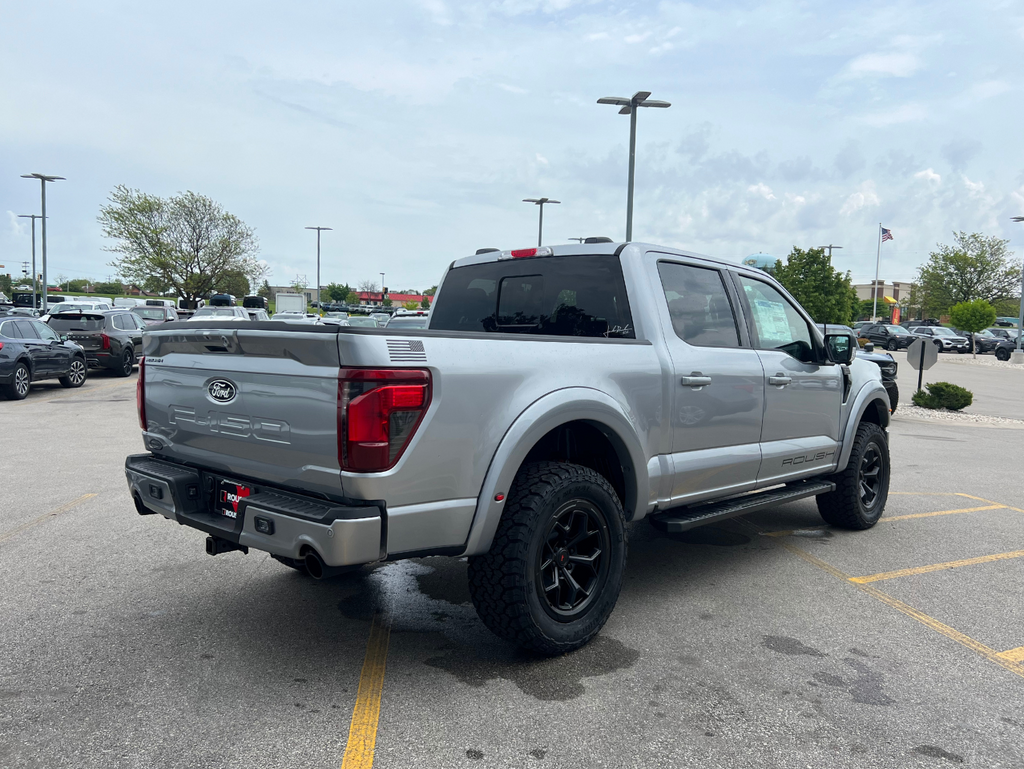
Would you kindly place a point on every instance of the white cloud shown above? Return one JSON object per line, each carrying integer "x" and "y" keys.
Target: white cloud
{"x": 928, "y": 175}
{"x": 864, "y": 197}
{"x": 891, "y": 116}
{"x": 763, "y": 190}
{"x": 598, "y": 36}
{"x": 988, "y": 89}
{"x": 17, "y": 228}
{"x": 975, "y": 188}
{"x": 886, "y": 64}
{"x": 637, "y": 38}
{"x": 512, "y": 88}
{"x": 542, "y": 160}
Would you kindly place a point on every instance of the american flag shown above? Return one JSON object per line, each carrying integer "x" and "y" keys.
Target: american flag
{"x": 886, "y": 234}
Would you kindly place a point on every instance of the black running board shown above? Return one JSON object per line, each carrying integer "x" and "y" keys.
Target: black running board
{"x": 683, "y": 518}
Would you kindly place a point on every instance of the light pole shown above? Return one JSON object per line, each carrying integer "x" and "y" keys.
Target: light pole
{"x": 629, "y": 107}
{"x": 43, "y": 179}
{"x": 829, "y": 247}
{"x": 319, "y": 303}
{"x": 539, "y": 202}
{"x": 33, "y": 217}
{"x": 1018, "y": 355}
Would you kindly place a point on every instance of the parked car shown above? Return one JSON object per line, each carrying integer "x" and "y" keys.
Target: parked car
{"x": 1004, "y": 348}
{"x": 943, "y": 337}
{"x": 112, "y": 339}
{"x": 982, "y": 341}
{"x": 887, "y": 365}
{"x": 222, "y": 300}
{"x": 127, "y": 302}
{"x": 296, "y": 317}
{"x": 227, "y": 314}
{"x": 255, "y": 313}
{"x": 886, "y": 336}
{"x": 76, "y": 306}
{"x": 558, "y": 393}
{"x": 31, "y": 351}
{"x": 153, "y": 316}
{"x": 408, "y": 321}
{"x": 1004, "y": 333}
{"x": 362, "y": 321}
{"x": 255, "y": 302}
{"x": 382, "y": 318}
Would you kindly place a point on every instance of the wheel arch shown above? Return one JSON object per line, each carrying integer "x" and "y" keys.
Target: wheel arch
{"x": 870, "y": 405}
{"x": 605, "y": 439}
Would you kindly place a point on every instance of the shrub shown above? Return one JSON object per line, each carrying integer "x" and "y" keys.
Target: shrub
{"x": 943, "y": 395}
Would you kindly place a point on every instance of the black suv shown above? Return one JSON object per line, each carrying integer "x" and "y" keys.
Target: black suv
{"x": 30, "y": 350}
{"x": 111, "y": 338}
{"x": 886, "y": 335}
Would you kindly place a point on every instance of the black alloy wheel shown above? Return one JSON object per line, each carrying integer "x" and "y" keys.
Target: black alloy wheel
{"x": 892, "y": 345}
{"x": 127, "y": 362}
{"x": 572, "y": 563}
{"x": 870, "y": 476}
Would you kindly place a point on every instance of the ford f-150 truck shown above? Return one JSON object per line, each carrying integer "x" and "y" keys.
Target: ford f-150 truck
{"x": 557, "y": 395}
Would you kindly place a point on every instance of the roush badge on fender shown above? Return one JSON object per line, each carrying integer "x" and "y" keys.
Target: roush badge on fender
{"x": 222, "y": 391}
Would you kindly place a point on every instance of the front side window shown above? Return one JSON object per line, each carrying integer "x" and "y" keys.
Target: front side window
{"x": 698, "y": 305}
{"x": 777, "y": 323}
{"x": 545, "y": 296}
{"x": 45, "y": 332}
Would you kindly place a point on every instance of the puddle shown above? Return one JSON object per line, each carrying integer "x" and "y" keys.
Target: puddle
{"x": 790, "y": 646}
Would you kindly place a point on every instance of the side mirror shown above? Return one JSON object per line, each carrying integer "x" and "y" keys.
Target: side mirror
{"x": 839, "y": 348}
{"x": 63, "y": 337}
{"x": 869, "y": 347}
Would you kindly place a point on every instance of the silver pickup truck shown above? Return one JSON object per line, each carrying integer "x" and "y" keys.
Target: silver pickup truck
{"x": 557, "y": 395}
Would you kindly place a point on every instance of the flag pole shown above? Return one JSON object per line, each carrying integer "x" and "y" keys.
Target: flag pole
{"x": 878, "y": 257}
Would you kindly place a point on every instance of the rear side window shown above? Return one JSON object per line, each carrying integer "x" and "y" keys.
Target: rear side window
{"x": 699, "y": 306}
{"x": 119, "y": 322}
{"x": 26, "y": 329}
{"x": 10, "y": 330}
{"x": 547, "y": 296}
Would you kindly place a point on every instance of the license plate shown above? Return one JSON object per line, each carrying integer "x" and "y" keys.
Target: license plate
{"x": 229, "y": 497}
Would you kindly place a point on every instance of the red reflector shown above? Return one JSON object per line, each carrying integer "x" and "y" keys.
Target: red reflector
{"x": 524, "y": 252}
{"x": 499, "y": 497}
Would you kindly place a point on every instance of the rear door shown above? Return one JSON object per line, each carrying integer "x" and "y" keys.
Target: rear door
{"x": 58, "y": 356}
{"x": 718, "y": 384}
{"x": 802, "y": 397}
{"x": 38, "y": 350}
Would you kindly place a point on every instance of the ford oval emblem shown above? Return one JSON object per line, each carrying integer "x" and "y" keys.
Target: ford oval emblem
{"x": 222, "y": 391}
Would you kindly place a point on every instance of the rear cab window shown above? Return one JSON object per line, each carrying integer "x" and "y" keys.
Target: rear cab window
{"x": 582, "y": 296}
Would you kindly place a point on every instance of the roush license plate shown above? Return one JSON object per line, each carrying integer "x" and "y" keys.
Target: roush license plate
{"x": 229, "y": 497}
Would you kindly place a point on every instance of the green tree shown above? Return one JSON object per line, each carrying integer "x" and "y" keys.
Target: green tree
{"x": 972, "y": 317}
{"x": 425, "y": 304}
{"x": 264, "y": 289}
{"x": 430, "y": 291}
{"x": 974, "y": 267}
{"x": 386, "y": 303}
{"x": 187, "y": 240}
{"x": 827, "y": 294}
{"x": 337, "y": 291}
{"x": 78, "y": 285}
{"x": 156, "y": 285}
{"x": 5, "y": 284}
{"x": 108, "y": 287}
{"x": 233, "y": 282}
{"x": 352, "y": 298}
{"x": 411, "y": 305}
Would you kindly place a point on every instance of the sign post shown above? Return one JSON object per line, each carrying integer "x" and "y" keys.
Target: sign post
{"x": 922, "y": 355}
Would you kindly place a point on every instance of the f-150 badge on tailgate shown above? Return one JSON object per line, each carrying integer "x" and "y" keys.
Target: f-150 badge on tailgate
{"x": 222, "y": 391}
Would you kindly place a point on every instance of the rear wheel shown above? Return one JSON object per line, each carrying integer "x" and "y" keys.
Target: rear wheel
{"x": 554, "y": 570}
{"x": 18, "y": 389}
{"x": 76, "y": 374}
{"x": 863, "y": 487}
{"x": 127, "y": 362}
{"x": 892, "y": 345}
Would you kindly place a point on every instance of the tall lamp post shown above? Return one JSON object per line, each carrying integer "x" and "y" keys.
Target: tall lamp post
{"x": 43, "y": 179}
{"x": 539, "y": 202}
{"x": 629, "y": 107}
{"x": 319, "y": 303}
{"x": 33, "y": 217}
{"x": 1018, "y": 355}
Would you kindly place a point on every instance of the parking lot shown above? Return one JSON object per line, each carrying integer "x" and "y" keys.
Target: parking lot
{"x": 768, "y": 641}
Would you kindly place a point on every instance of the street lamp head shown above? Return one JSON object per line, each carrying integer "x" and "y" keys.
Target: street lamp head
{"x": 319, "y": 228}
{"x": 43, "y": 177}
{"x": 540, "y": 201}
{"x": 1018, "y": 218}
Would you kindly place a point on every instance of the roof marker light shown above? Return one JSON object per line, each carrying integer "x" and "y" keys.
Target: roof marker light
{"x": 526, "y": 252}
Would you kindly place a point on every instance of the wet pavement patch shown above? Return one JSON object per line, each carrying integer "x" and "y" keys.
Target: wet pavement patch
{"x": 933, "y": 752}
{"x": 791, "y": 646}
{"x": 709, "y": 535}
{"x": 447, "y": 580}
{"x": 474, "y": 753}
{"x": 555, "y": 678}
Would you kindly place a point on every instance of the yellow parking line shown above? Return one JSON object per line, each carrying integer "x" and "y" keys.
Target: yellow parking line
{"x": 942, "y": 512}
{"x": 1014, "y": 655}
{"x": 62, "y": 509}
{"x": 936, "y": 567}
{"x": 930, "y": 622}
{"x": 362, "y": 734}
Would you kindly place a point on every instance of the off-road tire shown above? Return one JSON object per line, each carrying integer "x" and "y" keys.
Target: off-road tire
{"x": 894, "y": 401}
{"x": 506, "y": 583}
{"x": 77, "y": 374}
{"x": 20, "y": 384}
{"x": 845, "y": 507}
{"x": 127, "y": 363}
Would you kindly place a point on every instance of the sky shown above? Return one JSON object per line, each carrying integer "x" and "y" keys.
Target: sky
{"x": 415, "y": 128}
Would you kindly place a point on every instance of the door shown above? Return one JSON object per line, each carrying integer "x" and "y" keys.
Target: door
{"x": 38, "y": 350}
{"x": 717, "y": 388}
{"x": 802, "y": 395}
{"x": 59, "y": 355}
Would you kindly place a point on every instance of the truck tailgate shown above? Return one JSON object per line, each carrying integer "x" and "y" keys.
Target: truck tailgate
{"x": 251, "y": 403}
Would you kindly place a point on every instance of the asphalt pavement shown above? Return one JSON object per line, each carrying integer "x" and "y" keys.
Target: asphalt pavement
{"x": 768, "y": 641}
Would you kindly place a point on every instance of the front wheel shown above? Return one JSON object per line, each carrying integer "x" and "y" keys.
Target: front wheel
{"x": 863, "y": 487}
{"x": 893, "y": 345}
{"x": 554, "y": 570}
{"x": 1002, "y": 354}
{"x": 76, "y": 374}
{"x": 127, "y": 363}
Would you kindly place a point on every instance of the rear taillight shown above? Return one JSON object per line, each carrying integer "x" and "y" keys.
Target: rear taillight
{"x": 523, "y": 253}
{"x": 378, "y": 413}
{"x": 105, "y": 341}
{"x": 1, "y": 345}
{"x": 140, "y": 393}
